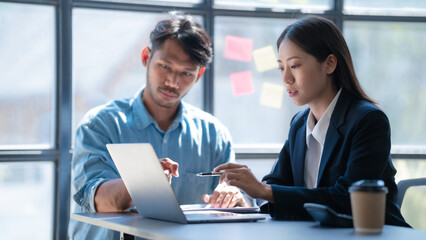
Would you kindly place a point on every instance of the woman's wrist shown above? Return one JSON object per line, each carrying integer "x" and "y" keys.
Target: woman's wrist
{"x": 267, "y": 194}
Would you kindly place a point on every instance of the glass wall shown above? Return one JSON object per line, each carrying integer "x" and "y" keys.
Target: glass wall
{"x": 308, "y": 6}
{"x": 388, "y": 7}
{"x": 27, "y": 110}
{"x": 249, "y": 95}
{"x": 26, "y": 200}
{"x": 388, "y": 57}
{"x": 27, "y": 76}
{"x": 107, "y": 46}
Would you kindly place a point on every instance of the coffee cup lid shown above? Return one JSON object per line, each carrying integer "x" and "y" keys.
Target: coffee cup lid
{"x": 369, "y": 185}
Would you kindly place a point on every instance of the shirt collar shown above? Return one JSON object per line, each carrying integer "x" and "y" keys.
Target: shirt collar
{"x": 143, "y": 118}
{"x": 319, "y": 130}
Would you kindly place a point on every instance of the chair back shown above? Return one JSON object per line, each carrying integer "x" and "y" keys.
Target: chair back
{"x": 405, "y": 184}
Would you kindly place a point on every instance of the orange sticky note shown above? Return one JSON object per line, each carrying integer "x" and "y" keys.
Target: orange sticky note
{"x": 242, "y": 83}
{"x": 238, "y": 48}
{"x": 272, "y": 95}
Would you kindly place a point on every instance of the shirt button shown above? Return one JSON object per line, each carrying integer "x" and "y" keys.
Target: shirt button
{"x": 165, "y": 141}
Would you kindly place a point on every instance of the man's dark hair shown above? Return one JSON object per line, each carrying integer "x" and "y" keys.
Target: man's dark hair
{"x": 191, "y": 35}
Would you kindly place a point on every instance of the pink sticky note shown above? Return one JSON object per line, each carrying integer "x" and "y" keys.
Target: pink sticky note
{"x": 242, "y": 83}
{"x": 238, "y": 48}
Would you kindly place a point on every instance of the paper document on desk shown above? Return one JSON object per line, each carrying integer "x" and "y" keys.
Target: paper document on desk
{"x": 206, "y": 207}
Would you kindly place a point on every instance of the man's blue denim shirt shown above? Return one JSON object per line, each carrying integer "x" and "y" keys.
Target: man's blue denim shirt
{"x": 196, "y": 140}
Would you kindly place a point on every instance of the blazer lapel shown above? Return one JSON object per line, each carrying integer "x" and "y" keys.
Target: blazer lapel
{"x": 331, "y": 140}
{"x": 298, "y": 161}
{"x": 333, "y": 136}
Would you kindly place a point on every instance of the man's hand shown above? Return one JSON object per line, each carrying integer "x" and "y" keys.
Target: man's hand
{"x": 170, "y": 168}
{"x": 225, "y": 196}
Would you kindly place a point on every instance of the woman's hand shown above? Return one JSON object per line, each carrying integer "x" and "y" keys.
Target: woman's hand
{"x": 241, "y": 176}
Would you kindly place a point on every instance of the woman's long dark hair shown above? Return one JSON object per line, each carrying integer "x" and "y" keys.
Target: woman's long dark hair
{"x": 320, "y": 37}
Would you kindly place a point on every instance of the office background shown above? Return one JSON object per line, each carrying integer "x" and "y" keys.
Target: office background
{"x": 59, "y": 58}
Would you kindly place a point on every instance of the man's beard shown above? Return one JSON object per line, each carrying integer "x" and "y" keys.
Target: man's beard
{"x": 171, "y": 90}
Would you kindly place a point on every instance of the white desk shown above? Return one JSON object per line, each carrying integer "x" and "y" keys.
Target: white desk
{"x": 133, "y": 224}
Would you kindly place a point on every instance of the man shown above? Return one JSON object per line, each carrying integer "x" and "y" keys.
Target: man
{"x": 181, "y": 134}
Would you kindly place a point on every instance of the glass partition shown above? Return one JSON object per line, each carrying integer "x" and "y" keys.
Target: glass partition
{"x": 27, "y": 76}
{"x": 187, "y": 3}
{"x": 250, "y": 98}
{"x": 106, "y": 57}
{"x": 26, "y": 200}
{"x": 388, "y": 7}
{"x": 389, "y": 61}
{"x": 307, "y": 6}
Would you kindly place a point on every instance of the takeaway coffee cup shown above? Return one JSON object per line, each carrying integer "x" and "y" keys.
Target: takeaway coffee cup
{"x": 368, "y": 202}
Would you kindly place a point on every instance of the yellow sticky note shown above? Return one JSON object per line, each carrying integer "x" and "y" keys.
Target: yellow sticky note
{"x": 272, "y": 95}
{"x": 265, "y": 59}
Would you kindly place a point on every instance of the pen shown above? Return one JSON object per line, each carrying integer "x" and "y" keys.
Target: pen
{"x": 209, "y": 174}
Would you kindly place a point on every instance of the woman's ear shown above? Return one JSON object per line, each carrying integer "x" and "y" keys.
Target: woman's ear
{"x": 330, "y": 64}
{"x": 146, "y": 53}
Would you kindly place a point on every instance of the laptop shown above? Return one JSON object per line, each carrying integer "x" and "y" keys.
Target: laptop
{"x": 151, "y": 192}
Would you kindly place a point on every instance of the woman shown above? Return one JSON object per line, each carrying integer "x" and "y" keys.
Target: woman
{"x": 341, "y": 138}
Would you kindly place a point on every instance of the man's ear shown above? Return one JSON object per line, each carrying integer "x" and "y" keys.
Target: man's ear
{"x": 330, "y": 64}
{"x": 201, "y": 72}
{"x": 146, "y": 53}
